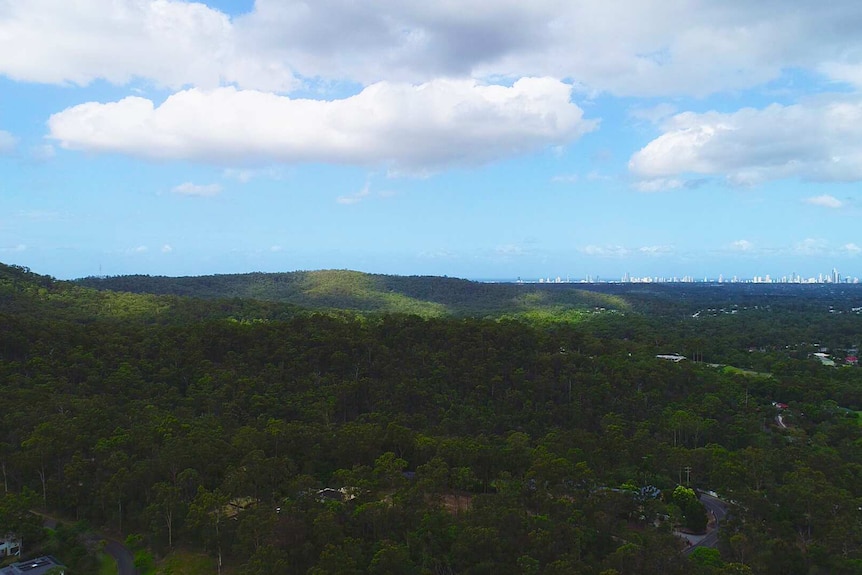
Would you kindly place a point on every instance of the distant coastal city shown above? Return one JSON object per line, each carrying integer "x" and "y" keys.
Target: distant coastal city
{"x": 794, "y": 278}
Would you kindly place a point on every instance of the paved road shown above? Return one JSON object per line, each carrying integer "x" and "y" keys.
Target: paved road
{"x": 718, "y": 509}
{"x": 125, "y": 559}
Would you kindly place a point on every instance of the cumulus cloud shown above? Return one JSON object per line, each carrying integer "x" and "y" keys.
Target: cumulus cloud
{"x": 819, "y": 141}
{"x": 169, "y": 42}
{"x": 825, "y": 200}
{"x": 190, "y": 189}
{"x": 8, "y": 142}
{"x": 432, "y": 125}
{"x": 658, "y": 47}
{"x": 742, "y": 245}
{"x": 166, "y": 249}
{"x": 852, "y": 249}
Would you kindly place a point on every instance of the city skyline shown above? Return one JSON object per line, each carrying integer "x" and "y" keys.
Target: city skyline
{"x": 833, "y": 277}
{"x": 471, "y": 140}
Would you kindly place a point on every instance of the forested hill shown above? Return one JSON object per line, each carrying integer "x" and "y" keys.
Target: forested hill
{"x": 350, "y": 290}
{"x": 23, "y": 292}
{"x": 347, "y": 443}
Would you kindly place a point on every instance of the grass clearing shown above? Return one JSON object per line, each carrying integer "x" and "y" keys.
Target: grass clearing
{"x": 181, "y": 562}
{"x": 107, "y": 565}
{"x": 729, "y": 369}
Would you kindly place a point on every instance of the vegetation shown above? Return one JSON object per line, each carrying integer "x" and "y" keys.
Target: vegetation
{"x": 349, "y": 290}
{"x": 451, "y": 443}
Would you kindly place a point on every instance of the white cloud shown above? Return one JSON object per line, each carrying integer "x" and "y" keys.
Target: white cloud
{"x": 605, "y": 251}
{"x": 825, "y": 200}
{"x": 659, "y": 184}
{"x": 190, "y": 189}
{"x": 169, "y": 42}
{"x": 742, "y": 245}
{"x": 355, "y": 198}
{"x": 615, "y": 251}
{"x": 8, "y": 142}
{"x": 810, "y": 247}
{"x": 654, "y": 114}
{"x": 852, "y": 249}
{"x": 276, "y": 249}
{"x": 818, "y": 140}
{"x": 623, "y": 46}
{"x": 655, "y": 250}
{"x": 15, "y": 248}
{"x": 441, "y": 123}
{"x": 628, "y": 47}
{"x": 246, "y": 175}
{"x": 138, "y": 250}
{"x": 166, "y": 249}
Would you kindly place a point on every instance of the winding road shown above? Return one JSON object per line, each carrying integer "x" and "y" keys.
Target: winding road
{"x": 718, "y": 509}
{"x": 125, "y": 559}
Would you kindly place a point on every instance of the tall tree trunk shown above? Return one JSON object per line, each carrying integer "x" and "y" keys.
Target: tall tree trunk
{"x": 44, "y": 487}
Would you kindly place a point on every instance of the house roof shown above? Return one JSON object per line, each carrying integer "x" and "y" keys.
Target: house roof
{"x": 37, "y": 566}
{"x": 674, "y": 357}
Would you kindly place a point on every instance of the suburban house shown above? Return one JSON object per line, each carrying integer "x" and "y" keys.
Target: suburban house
{"x": 9, "y": 545}
{"x": 674, "y": 357}
{"x": 37, "y": 566}
{"x": 342, "y": 495}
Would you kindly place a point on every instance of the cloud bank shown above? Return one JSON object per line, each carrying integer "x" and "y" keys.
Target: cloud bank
{"x": 428, "y": 126}
{"x": 625, "y": 47}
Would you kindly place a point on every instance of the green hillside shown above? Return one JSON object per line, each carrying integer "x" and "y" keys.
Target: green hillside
{"x": 458, "y": 445}
{"x": 40, "y": 296}
{"x": 350, "y": 290}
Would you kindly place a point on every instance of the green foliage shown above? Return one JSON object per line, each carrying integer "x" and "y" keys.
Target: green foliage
{"x": 706, "y": 557}
{"x": 349, "y": 290}
{"x": 463, "y": 443}
{"x": 107, "y": 564}
{"x": 145, "y": 563}
{"x": 692, "y": 510}
{"x": 186, "y": 563}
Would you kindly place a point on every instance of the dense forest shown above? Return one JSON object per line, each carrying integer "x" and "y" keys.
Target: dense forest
{"x": 490, "y": 430}
{"x": 349, "y": 290}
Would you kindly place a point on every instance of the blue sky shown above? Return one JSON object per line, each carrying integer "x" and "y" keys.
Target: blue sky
{"x": 474, "y": 139}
